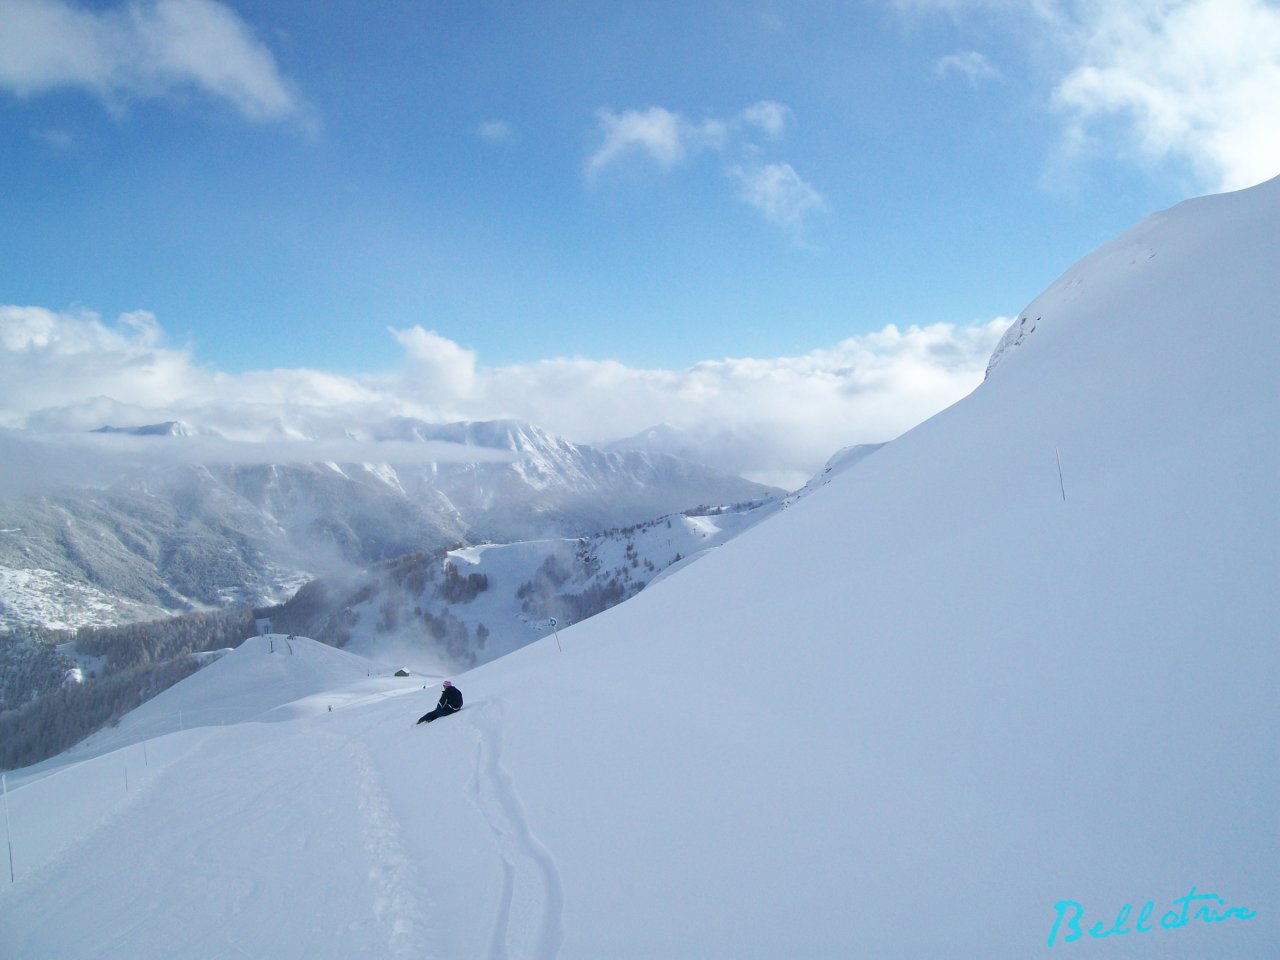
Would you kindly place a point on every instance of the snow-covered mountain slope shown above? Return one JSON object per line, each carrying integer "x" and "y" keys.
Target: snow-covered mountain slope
{"x": 266, "y": 679}
{"x": 454, "y": 609}
{"x": 56, "y": 601}
{"x": 935, "y": 709}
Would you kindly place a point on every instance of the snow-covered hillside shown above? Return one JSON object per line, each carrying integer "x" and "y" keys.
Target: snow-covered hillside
{"x": 458, "y": 608}
{"x": 957, "y": 702}
{"x": 266, "y": 679}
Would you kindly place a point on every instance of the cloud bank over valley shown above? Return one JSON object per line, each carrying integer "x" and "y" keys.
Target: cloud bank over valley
{"x": 774, "y": 420}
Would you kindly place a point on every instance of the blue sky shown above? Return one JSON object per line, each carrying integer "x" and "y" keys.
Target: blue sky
{"x": 394, "y": 189}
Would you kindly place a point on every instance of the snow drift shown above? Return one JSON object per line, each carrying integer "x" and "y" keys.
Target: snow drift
{"x": 958, "y": 702}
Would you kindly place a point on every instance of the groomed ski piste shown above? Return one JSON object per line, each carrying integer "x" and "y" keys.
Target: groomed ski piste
{"x": 1004, "y": 689}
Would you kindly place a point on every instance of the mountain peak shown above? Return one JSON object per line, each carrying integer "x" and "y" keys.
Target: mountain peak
{"x": 169, "y": 428}
{"x": 511, "y": 435}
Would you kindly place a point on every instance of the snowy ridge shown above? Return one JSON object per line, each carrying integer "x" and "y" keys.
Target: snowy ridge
{"x": 170, "y": 428}
{"x": 935, "y": 710}
{"x": 1018, "y": 331}
{"x": 266, "y": 679}
{"x": 841, "y": 461}
{"x": 414, "y": 610}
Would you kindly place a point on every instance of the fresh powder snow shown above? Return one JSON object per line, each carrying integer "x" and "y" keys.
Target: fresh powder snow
{"x": 1004, "y": 689}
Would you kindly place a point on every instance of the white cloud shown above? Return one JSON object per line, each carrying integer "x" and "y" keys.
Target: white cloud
{"x": 1192, "y": 80}
{"x": 1189, "y": 82}
{"x": 664, "y": 137}
{"x": 46, "y": 357}
{"x": 776, "y": 419}
{"x": 772, "y": 118}
{"x": 495, "y": 131}
{"x": 970, "y": 64}
{"x": 781, "y": 195}
{"x": 73, "y": 371}
{"x": 145, "y": 48}
{"x": 440, "y": 371}
{"x": 668, "y": 140}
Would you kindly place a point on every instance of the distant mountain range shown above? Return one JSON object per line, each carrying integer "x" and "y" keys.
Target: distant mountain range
{"x": 184, "y": 534}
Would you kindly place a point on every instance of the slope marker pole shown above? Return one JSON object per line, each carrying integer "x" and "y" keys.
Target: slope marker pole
{"x": 8, "y": 836}
{"x": 1061, "y": 484}
{"x": 552, "y": 621}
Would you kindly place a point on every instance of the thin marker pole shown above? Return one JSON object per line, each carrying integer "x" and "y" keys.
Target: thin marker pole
{"x": 8, "y": 835}
{"x": 1060, "y": 482}
{"x": 557, "y": 633}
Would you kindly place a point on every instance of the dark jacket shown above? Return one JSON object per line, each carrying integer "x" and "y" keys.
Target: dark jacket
{"x": 450, "y": 700}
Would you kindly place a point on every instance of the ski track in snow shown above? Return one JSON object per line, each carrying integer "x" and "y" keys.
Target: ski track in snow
{"x": 528, "y": 923}
{"x": 396, "y": 908}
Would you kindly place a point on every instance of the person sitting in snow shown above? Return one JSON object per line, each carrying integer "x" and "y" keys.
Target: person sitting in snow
{"x": 450, "y": 702}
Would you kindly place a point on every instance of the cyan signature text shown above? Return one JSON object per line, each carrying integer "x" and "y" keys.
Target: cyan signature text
{"x": 1068, "y": 924}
